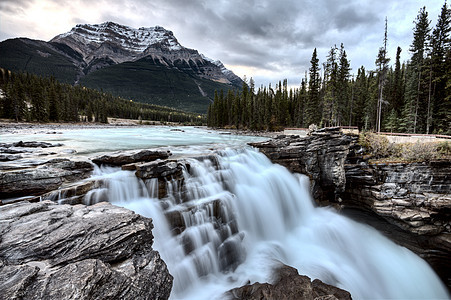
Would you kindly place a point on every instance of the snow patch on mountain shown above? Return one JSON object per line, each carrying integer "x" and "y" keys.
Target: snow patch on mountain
{"x": 218, "y": 63}
{"x": 131, "y": 39}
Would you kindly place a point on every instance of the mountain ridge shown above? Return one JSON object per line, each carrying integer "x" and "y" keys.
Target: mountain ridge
{"x": 103, "y": 55}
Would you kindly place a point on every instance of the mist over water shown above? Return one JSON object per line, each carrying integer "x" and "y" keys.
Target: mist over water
{"x": 242, "y": 216}
{"x": 276, "y": 222}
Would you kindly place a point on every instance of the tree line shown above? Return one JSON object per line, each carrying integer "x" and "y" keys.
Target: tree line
{"x": 410, "y": 97}
{"x": 28, "y": 97}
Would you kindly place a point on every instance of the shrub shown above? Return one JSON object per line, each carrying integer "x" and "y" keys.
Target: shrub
{"x": 376, "y": 145}
{"x": 444, "y": 148}
{"x": 419, "y": 152}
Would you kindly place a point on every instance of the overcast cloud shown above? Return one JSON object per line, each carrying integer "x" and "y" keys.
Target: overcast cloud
{"x": 266, "y": 40}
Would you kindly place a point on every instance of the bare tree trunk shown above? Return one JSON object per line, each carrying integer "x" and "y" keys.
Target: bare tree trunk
{"x": 429, "y": 103}
{"x": 417, "y": 103}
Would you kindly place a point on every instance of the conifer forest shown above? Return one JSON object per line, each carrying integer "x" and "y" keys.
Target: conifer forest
{"x": 408, "y": 97}
{"x": 32, "y": 98}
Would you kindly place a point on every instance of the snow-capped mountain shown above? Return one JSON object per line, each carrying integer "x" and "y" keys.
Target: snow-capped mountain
{"x": 131, "y": 39}
{"x": 144, "y": 64}
{"x": 111, "y": 43}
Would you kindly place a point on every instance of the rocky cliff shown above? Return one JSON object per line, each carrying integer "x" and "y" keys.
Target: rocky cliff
{"x": 409, "y": 202}
{"x": 414, "y": 197}
{"x": 321, "y": 156}
{"x": 50, "y": 251}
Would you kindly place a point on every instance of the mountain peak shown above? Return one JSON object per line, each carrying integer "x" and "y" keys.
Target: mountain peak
{"x": 128, "y": 38}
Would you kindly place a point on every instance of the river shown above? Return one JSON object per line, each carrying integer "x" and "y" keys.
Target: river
{"x": 242, "y": 216}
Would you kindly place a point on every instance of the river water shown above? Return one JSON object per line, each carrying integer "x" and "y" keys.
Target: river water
{"x": 243, "y": 215}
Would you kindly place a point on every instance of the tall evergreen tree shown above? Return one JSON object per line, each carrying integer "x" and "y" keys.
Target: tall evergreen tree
{"x": 439, "y": 109}
{"x": 381, "y": 63}
{"x": 313, "y": 110}
{"x": 416, "y": 84}
{"x": 343, "y": 88}
{"x": 330, "y": 85}
{"x": 361, "y": 97}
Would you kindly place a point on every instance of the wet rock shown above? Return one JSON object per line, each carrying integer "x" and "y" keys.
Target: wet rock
{"x": 128, "y": 157}
{"x": 289, "y": 285}
{"x": 9, "y": 157}
{"x": 159, "y": 169}
{"x": 46, "y": 177}
{"x": 30, "y": 145}
{"x": 73, "y": 193}
{"x": 321, "y": 156}
{"x": 50, "y": 251}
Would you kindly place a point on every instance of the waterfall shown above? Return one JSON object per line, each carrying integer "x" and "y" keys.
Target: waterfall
{"x": 236, "y": 215}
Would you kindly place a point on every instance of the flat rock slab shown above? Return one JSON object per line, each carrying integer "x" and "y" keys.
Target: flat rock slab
{"x": 50, "y": 251}
{"x": 30, "y": 145}
{"x": 128, "y": 157}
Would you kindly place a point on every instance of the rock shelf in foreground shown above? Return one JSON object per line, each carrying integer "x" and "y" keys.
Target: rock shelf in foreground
{"x": 50, "y": 251}
{"x": 288, "y": 284}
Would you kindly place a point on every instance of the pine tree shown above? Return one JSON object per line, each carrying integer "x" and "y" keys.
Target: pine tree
{"x": 343, "y": 88}
{"x": 313, "y": 110}
{"x": 416, "y": 85}
{"x": 397, "y": 91}
{"x": 329, "y": 113}
{"x": 361, "y": 97}
{"x": 381, "y": 63}
{"x": 439, "y": 110}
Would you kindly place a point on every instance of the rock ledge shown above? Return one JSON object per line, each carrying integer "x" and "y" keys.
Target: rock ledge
{"x": 50, "y": 251}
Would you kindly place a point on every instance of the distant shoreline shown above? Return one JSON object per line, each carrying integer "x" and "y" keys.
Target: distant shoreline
{"x": 12, "y": 127}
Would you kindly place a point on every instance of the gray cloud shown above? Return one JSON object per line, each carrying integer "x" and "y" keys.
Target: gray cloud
{"x": 272, "y": 37}
{"x": 13, "y": 6}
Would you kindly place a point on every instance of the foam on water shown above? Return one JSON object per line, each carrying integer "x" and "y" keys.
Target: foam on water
{"x": 249, "y": 215}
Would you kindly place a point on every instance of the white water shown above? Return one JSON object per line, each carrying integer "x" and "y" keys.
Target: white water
{"x": 266, "y": 216}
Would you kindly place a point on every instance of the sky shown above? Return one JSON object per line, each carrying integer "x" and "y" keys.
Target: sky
{"x": 266, "y": 40}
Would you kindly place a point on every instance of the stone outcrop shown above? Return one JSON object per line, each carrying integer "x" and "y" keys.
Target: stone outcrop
{"x": 50, "y": 251}
{"x": 128, "y": 157}
{"x": 415, "y": 196}
{"x": 46, "y": 177}
{"x": 289, "y": 285}
{"x": 321, "y": 156}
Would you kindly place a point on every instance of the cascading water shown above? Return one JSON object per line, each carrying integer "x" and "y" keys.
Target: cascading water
{"x": 234, "y": 217}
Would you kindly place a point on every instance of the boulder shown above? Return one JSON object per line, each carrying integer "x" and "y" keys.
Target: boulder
{"x": 128, "y": 157}
{"x": 289, "y": 285}
{"x": 50, "y": 251}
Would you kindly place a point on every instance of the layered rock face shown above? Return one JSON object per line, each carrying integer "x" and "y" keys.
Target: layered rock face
{"x": 321, "y": 156}
{"x": 50, "y": 251}
{"x": 44, "y": 178}
{"x": 412, "y": 201}
{"x": 415, "y": 197}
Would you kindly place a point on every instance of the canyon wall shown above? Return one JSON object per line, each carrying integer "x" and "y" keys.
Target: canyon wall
{"x": 409, "y": 202}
